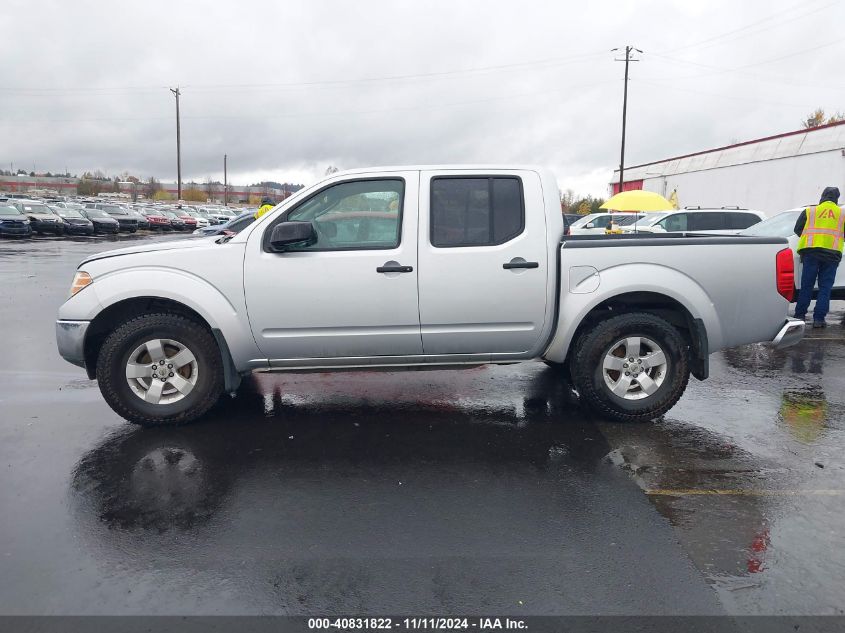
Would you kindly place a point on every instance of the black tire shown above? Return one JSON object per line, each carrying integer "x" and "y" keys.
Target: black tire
{"x": 596, "y": 343}
{"x": 114, "y": 355}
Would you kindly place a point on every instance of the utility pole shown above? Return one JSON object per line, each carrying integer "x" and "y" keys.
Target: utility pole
{"x": 628, "y": 50}
{"x": 176, "y": 92}
{"x": 225, "y": 183}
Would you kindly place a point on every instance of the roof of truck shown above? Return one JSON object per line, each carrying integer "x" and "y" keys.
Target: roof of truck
{"x": 447, "y": 167}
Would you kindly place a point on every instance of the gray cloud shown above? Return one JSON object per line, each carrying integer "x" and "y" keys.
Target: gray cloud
{"x": 285, "y": 89}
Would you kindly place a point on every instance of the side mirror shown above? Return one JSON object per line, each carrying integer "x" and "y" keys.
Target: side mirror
{"x": 286, "y": 233}
{"x": 590, "y": 226}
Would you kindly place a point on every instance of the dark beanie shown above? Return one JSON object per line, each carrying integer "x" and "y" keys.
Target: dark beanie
{"x": 830, "y": 194}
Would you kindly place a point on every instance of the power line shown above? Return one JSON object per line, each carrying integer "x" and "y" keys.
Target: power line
{"x": 549, "y": 62}
{"x": 752, "y": 26}
{"x": 428, "y": 106}
{"x": 718, "y": 70}
{"x": 731, "y": 97}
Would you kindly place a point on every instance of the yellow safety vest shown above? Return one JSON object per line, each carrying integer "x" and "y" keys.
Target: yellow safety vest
{"x": 824, "y": 227}
{"x": 262, "y": 210}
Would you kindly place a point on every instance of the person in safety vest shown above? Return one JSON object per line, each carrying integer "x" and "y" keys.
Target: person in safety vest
{"x": 820, "y": 247}
{"x": 266, "y": 205}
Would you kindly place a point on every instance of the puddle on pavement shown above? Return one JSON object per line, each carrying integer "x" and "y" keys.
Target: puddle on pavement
{"x": 756, "y": 496}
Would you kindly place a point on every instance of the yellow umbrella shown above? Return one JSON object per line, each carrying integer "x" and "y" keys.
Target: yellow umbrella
{"x": 638, "y": 200}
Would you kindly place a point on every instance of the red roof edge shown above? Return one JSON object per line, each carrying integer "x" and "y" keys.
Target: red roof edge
{"x": 756, "y": 140}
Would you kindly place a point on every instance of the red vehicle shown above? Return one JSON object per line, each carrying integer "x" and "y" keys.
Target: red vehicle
{"x": 158, "y": 222}
{"x": 189, "y": 220}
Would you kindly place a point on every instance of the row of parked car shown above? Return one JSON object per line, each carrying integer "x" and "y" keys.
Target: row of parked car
{"x": 719, "y": 221}
{"x": 24, "y": 217}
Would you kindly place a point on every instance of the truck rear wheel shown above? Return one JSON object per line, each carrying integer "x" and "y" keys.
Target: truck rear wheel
{"x": 160, "y": 369}
{"x": 631, "y": 368}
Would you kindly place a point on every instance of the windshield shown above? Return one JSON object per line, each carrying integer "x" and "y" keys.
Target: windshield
{"x": 584, "y": 220}
{"x": 111, "y": 208}
{"x": 68, "y": 213}
{"x": 625, "y": 220}
{"x": 96, "y": 213}
{"x": 782, "y": 225}
{"x": 8, "y": 210}
{"x": 37, "y": 208}
{"x": 239, "y": 223}
{"x": 650, "y": 219}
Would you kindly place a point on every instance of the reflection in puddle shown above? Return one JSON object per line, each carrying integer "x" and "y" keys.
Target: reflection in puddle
{"x": 804, "y": 413}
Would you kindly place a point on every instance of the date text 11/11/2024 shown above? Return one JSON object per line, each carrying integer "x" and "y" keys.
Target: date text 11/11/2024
{"x": 421, "y": 624}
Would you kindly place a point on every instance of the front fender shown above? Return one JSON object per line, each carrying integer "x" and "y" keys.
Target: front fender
{"x": 624, "y": 279}
{"x": 223, "y": 312}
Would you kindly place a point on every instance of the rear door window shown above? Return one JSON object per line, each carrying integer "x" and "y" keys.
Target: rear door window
{"x": 476, "y": 211}
{"x": 706, "y": 221}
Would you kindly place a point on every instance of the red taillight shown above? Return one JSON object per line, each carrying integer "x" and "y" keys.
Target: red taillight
{"x": 785, "y": 271}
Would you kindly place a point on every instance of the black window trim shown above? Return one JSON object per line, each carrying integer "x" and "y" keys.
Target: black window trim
{"x": 265, "y": 239}
{"x": 472, "y": 176}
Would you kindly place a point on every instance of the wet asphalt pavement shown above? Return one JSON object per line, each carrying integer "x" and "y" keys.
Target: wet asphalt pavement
{"x": 478, "y": 491}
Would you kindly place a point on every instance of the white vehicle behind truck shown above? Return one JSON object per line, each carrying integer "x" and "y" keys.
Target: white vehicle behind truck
{"x": 421, "y": 267}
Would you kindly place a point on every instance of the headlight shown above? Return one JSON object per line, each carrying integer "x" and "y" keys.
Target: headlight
{"x": 80, "y": 280}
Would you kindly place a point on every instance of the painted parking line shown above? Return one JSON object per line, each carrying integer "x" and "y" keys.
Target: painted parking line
{"x": 683, "y": 492}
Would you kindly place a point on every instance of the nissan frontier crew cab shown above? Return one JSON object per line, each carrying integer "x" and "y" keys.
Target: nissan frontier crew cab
{"x": 421, "y": 267}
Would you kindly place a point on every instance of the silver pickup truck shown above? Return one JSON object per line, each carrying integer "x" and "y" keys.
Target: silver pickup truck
{"x": 421, "y": 267}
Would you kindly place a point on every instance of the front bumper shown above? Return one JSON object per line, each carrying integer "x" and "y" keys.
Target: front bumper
{"x": 791, "y": 333}
{"x": 108, "y": 229}
{"x": 70, "y": 338}
{"x": 79, "y": 229}
{"x": 16, "y": 231}
{"x": 47, "y": 227}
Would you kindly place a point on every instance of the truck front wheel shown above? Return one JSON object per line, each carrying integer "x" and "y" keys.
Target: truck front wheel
{"x": 160, "y": 369}
{"x": 631, "y": 368}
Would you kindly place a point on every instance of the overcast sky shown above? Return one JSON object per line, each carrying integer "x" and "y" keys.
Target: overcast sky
{"x": 289, "y": 88}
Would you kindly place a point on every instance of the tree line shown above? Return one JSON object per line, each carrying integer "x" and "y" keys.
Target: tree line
{"x": 818, "y": 117}
{"x": 570, "y": 202}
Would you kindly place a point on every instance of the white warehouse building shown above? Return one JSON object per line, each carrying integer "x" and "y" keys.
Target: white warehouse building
{"x": 769, "y": 174}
